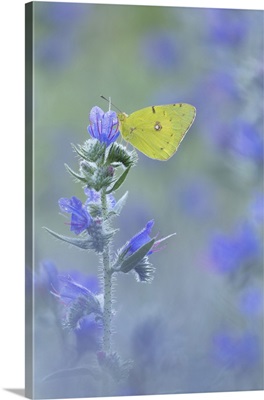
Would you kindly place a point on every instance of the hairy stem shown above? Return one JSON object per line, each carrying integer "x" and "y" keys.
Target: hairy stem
{"x": 107, "y": 276}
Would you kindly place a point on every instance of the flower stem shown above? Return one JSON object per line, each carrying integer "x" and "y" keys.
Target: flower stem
{"x": 107, "y": 276}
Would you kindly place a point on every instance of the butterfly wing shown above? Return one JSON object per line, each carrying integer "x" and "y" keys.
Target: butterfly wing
{"x": 157, "y": 131}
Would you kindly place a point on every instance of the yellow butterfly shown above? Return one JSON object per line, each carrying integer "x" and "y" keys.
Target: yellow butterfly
{"x": 157, "y": 131}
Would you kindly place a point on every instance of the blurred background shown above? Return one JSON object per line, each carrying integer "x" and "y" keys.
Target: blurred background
{"x": 198, "y": 327}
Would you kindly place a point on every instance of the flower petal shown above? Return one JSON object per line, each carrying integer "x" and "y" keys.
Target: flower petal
{"x": 140, "y": 238}
{"x": 96, "y": 114}
{"x": 70, "y": 205}
{"x": 103, "y": 126}
{"x": 80, "y": 219}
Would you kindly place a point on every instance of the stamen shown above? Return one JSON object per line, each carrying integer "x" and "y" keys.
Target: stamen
{"x": 57, "y": 294}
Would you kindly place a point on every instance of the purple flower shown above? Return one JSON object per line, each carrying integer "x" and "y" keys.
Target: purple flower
{"x": 80, "y": 219}
{"x": 236, "y": 350}
{"x": 161, "y": 50}
{"x": 103, "y": 126}
{"x": 195, "y": 198}
{"x": 243, "y": 139}
{"x": 140, "y": 239}
{"x": 148, "y": 340}
{"x": 82, "y": 309}
{"x": 52, "y": 52}
{"x": 42, "y": 280}
{"x": 217, "y": 91}
{"x": 133, "y": 256}
{"x": 46, "y": 277}
{"x": 227, "y": 27}
{"x": 220, "y": 87}
{"x": 92, "y": 195}
{"x": 78, "y": 300}
{"x": 251, "y": 301}
{"x": 90, "y": 282}
{"x": 257, "y": 208}
{"x": 56, "y": 48}
{"x": 69, "y": 289}
{"x": 95, "y": 197}
{"x": 228, "y": 253}
{"x": 61, "y": 15}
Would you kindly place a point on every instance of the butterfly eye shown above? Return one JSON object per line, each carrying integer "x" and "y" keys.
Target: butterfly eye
{"x": 157, "y": 126}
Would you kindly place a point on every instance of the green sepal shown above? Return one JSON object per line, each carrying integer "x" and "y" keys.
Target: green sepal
{"x": 101, "y": 178}
{"x": 79, "y": 150}
{"x": 100, "y": 240}
{"x": 94, "y": 151}
{"x": 144, "y": 271}
{"x": 87, "y": 168}
{"x": 77, "y": 176}
{"x": 120, "y": 155}
{"x": 95, "y": 209}
{"x": 127, "y": 264}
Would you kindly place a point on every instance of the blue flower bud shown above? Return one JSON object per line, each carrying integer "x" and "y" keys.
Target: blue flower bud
{"x": 141, "y": 238}
{"x": 134, "y": 254}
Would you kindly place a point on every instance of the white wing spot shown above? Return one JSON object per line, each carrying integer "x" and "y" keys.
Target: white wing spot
{"x": 157, "y": 126}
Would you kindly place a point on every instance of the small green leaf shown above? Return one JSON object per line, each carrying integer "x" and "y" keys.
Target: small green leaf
{"x": 79, "y": 177}
{"x": 119, "y": 181}
{"x": 78, "y": 242}
{"x": 92, "y": 150}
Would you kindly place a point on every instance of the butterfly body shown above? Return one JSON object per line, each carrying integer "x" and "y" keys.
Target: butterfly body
{"x": 158, "y": 130}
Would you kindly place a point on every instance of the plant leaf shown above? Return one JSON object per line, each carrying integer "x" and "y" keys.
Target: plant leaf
{"x": 131, "y": 262}
{"x": 79, "y": 177}
{"x": 119, "y": 181}
{"x": 79, "y": 151}
{"x": 78, "y": 242}
{"x": 71, "y": 372}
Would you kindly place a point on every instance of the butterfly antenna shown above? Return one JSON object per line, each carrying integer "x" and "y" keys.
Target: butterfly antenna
{"x": 110, "y": 103}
